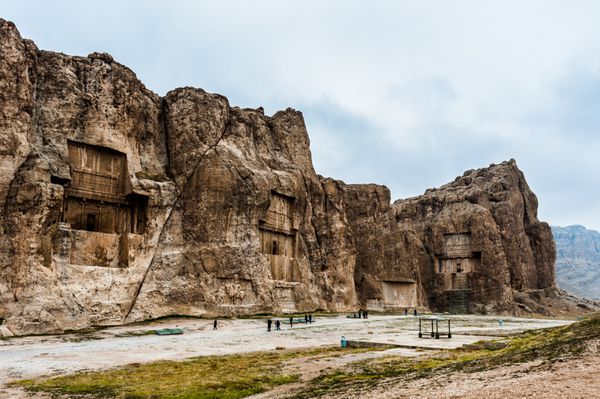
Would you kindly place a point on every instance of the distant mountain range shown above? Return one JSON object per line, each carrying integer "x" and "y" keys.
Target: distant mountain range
{"x": 578, "y": 260}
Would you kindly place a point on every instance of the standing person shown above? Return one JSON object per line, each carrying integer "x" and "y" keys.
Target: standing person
{"x": 405, "y": 311}
{"x": 215, "y": 324}
{"x": 291, "y": 321}
{"x": 310, "y": 318}
{"x": 366, "y": 314}
{"x": 277, "y": 325}
{"x": 269, "y": 322}
{"x": 415, "y": 312}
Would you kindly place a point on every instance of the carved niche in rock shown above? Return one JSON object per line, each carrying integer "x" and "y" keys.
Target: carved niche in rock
{"x": 279, "y": 238}
{"x": 457, "y": 261}
{"x": 102, "y": 215}
{"x": 399, "y": 294}
{"x": 454, "y": 266}
{"x": 99, "y": 197}
{"x": 234, "y": 292}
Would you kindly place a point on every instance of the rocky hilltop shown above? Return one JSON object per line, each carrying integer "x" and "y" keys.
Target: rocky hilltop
{"x": 578, "y": 260}
{"x": 485, "y": 223}
{"x": 119, "y": 205}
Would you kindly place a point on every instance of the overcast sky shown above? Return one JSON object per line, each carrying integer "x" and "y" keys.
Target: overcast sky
{"x": 403, "y": 93}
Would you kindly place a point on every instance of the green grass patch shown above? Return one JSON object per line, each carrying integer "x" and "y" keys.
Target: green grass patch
{"x": 231, "y": 376}
{"x": 546, "y": 344}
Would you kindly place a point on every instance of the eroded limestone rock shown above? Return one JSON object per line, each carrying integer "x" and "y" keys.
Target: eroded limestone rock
{"x": 483, "y": 239}
{"x": 119, "y": 205}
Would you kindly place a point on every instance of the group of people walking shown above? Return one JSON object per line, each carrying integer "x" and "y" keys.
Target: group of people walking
{"x": 277, "y": 325}
{"x": 362, "y": 314}
{"x": 307, "y": 320}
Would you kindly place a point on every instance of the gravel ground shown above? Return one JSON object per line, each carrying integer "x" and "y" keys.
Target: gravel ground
{"x": 30, "y": 357}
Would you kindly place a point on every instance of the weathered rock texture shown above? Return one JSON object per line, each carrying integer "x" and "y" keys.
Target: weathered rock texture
{"x": 119, "y": 205}
{"x": 482, "y": 238}
{"x": 578, "y": 260}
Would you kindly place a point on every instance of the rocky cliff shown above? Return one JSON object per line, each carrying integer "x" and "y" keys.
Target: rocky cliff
{"x": 482, "y": 237}
{"x": 578, "y": 260}
{"x": 120, "y": 205}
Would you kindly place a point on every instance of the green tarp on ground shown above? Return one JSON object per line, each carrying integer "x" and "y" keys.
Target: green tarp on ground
{"x": 169, "y": 331}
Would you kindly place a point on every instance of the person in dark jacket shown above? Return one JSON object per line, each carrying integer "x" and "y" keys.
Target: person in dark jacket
{"x": 269, "y": 323}
{"x": 215, "y": 324}
{"x": 277, "y": 325}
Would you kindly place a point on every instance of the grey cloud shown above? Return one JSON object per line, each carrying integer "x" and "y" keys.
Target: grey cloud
{"x": 407, "y": 94}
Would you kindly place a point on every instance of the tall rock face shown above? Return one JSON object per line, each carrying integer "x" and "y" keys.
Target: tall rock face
{"x": 482, "y": 238}
{"x": 249, "y": 229}
{"x": 473, "y": 245}
{"x": 389, "y": 257}
{"x": 578, "y": 260}
{"x": 119, "y": 205}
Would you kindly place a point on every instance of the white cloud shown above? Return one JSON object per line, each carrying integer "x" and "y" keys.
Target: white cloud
{"x": 420, "y": 90}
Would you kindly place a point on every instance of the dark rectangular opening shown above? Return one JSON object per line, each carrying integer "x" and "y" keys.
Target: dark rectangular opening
{"x": 59, "y": 180}
{"x": 91, "y": 222}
